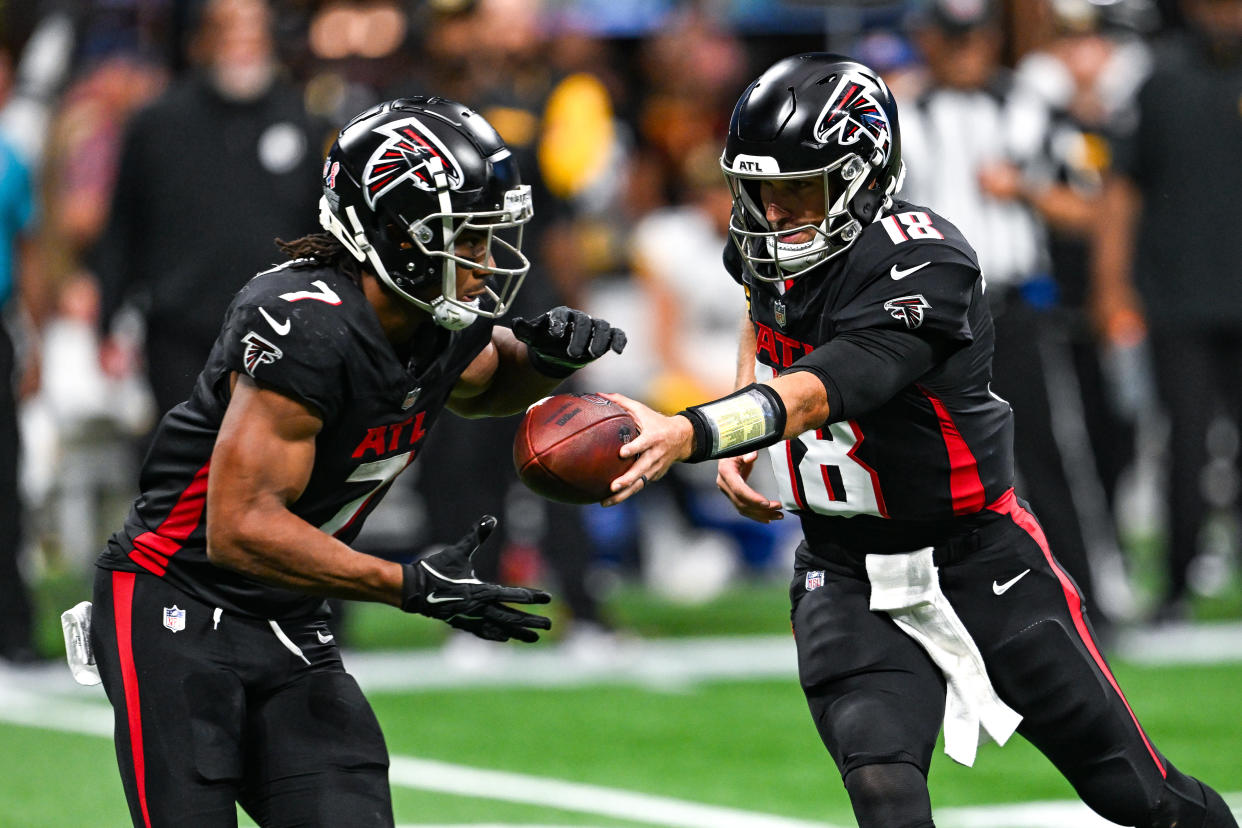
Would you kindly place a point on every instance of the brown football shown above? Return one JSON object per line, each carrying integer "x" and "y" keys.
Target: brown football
{"x": 566, "y": 447}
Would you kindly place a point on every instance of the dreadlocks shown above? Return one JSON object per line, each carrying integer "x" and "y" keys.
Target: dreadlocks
{"x": 323, "y": 249}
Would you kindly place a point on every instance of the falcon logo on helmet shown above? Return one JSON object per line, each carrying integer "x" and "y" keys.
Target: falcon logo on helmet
{"x": 405, "y": 156}
{"x": 852, "y": 112}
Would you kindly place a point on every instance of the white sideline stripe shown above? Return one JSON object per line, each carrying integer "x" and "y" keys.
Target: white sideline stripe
{"x": 678, "y": 663}
{"x": 442, "y": 777}
{"x": 1182, "y": 643}
{"x": 655, "y": 663}
{"x": 35, "y": 709}
{"x": 661, "y": 664}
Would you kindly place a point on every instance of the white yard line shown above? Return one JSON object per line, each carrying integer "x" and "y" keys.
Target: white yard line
{"x": 574, "y": 796}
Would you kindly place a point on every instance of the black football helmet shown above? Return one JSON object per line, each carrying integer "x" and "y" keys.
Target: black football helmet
{"x": 814, "y": 115}
{"x": 406, "y": 180}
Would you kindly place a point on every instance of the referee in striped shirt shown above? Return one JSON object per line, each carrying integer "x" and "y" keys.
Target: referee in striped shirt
{"x": 982, "y": 150}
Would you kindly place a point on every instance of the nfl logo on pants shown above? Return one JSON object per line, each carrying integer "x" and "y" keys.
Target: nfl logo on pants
{"x": 174, "y": 619}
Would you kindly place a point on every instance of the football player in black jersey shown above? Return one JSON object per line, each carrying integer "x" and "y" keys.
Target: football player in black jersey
{"x": 209, "y": 626}
{"x": 924, "y": 594}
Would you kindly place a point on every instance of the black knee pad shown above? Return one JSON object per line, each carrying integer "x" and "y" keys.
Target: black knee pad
{"x": 1188, "y": 803}
{"x": 891, "y": 795}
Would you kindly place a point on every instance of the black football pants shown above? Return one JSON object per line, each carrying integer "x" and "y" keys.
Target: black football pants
{"x": 224, "y": 711}
{"x": 877, "y": 698}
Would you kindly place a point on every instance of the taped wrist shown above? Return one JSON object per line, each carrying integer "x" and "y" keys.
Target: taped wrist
{"x": 750, "y": 418}
{"x": 549, "y": 367}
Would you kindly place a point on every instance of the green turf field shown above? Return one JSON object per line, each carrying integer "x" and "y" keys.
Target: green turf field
{"x": 637, "y": 752}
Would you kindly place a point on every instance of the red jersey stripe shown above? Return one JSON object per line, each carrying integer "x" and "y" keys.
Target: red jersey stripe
{"x": 1007, "y": 504}
{"x": 965, "y": 487}
{"x": 154, "y": 563}
{"x": 123, "y": 608}
{"x": 188, "y": 511}
{"x": 153, "y": 549}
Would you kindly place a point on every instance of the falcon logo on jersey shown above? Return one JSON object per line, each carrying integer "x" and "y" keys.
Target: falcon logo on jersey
{"x": 258, "y": 352}
{"x": 908, "y": 309}
{"x": 407, "y": 156}
{"x": 852, "y": 112}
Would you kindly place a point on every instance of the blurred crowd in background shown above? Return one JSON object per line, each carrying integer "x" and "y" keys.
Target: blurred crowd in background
{"x": 151, "y": 150}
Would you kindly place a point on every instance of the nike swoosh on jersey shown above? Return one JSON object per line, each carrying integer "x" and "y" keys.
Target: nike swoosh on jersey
{"x": 281, "y": 328}
{"x": 898, "y": 274}
{"x": 1001, "y": 589}
{"x": 324, "y": 638}
{"x": 432, "y": 598}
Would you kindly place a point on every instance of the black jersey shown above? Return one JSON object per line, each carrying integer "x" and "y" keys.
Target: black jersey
{"x": 902, "y": 474}
{"x": 310, "y": 333}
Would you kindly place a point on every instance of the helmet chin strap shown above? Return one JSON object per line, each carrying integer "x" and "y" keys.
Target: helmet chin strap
{"x": 453, "y": 317}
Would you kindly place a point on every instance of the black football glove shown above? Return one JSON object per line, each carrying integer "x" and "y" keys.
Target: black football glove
{"x": 443, "y": 585}
{"x": 563, "y": 340}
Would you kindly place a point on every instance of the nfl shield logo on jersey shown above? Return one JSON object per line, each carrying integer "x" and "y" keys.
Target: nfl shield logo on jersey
{"x": 778, "y": 309}
{"x": 174, "y": 619}
{"x": 410, "y": 398}
{"x": 814, "y": 580}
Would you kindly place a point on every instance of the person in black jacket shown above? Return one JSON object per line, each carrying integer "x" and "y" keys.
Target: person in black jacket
{"x": 210, "y": 172}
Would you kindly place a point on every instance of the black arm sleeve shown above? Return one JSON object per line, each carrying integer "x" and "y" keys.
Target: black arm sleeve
{"x": 861, "y": 370}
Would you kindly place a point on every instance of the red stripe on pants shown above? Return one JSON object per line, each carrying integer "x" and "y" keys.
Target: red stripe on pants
{"x": 1007, "y": 504}
{"x": 123, "y": 601}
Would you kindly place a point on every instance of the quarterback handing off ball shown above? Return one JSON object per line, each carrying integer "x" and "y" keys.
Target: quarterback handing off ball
{"x": 566, "y": 447}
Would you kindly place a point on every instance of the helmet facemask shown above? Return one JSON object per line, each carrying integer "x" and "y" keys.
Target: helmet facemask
{"x": 436, "y": 238}
{"x": 767, "y": 257}
{"x": 410, "y": 255}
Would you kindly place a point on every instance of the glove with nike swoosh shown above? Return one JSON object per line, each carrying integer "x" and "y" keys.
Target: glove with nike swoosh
{"x": 563, "y": 340}
{"x": 443, "y": 585}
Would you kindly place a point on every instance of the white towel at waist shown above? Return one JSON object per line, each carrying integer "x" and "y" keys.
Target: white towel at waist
{"x": 907, "y": 587}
